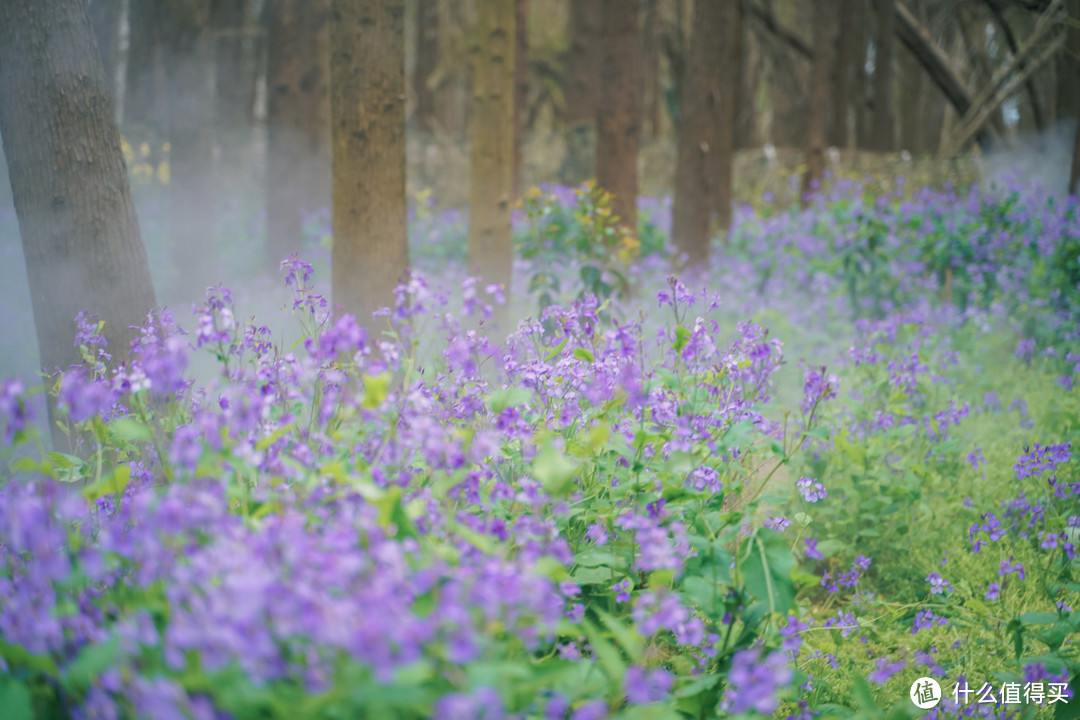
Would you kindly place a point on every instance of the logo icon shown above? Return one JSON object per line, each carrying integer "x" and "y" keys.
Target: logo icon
{"x": 925, "y": 693}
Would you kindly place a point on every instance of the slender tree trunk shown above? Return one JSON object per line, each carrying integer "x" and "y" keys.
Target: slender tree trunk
{"x": 521, "y": 88}
{"x": 618, "y": 117}
{"x": 427, "y": 60}
{"x": 725, "y": 109}
{"x": 229, "y": 20}
{"x": 144, "y": 110}
{"x": 490, "y": 252}
{"x": 298, "y": 121}
{"x": 695, "y": 169}
{"x": 819, "y": 95}
{"x": 367, "y": 105}
{"x": 883, "y": 77}
{"x": 650, "y": 66}
{"x": 105, "y": 18}
{"x": 77, "y": 219}
{"x": 744, "y": 86}
{"x": 581, "y": 91}
{"x": 842, "y": 75}
{"x": 1074, "y": 55}
{"x": 863, "y": 136}
{"x": 189, "y": 71}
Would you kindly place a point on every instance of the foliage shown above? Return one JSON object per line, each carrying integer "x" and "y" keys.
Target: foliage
{"x": 598, "y": 518}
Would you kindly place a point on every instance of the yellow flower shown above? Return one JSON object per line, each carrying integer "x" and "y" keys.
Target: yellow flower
{"x": 129, "y": 154}
{"x": 163, "y": 172}
{"x": 167, "y": 147}
{"x": 144, "y": 149}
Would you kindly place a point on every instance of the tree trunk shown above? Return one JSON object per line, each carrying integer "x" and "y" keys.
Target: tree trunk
{"x": 1074, "y": 56}
{"x": 105, "y": 18}
{"x": 883, "y": 77}
{"x": 521, "y": 88}
{"x": 725, "y": 109}
{"x": 744, "y": 84}
{"x": 298, "y": 121}
{"x": 618, "y": 117}
{"x": 650, "y": 66}
{"x": 490, "y": 252}
{"x": 144, "y": 109}
{"x": 863, "y": 136}
{"x": 695, "y": 169}
{"x": 77, "y": 219}
{"x": 427, "y": 60}
{"x": 229, "y": 21}
{"x": 842, "y": 74}
{"x": 367, "y": 106}
{"x": 581, "y": 91}
{"x": 819, "y": 96}
{"x": 189, "y": 72}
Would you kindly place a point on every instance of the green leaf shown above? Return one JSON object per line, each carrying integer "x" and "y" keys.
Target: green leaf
{"x": 15, "y": 700}
{"x": 682, "y": 338}
{"x": 129, "y": 430}
{"x": 1038, "y": 618}
{"x": 115, "y": 483}
{"x": 553, "y": 469}
{"x": 766, "y": 569}
{"x": 583, "y": 354}
{"x": 91, "y": 662}
{"x": 508, "y": 397}
{"x": 556, "y": 350}
{"x": 605, "y": 652}
{"x": 17, "y": 656}
{"x": 627, "y": 637}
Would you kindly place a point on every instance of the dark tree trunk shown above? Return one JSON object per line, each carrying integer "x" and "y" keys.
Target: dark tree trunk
{"x": 490, "y": 251}
{"x": 863, "y": 135}
{"x": 700, "y": 107}
{"x": 189, "y": 72}
{"x": 76, "y": 215}
{"x": 883, "y": 77}
{"x": 233, "y": 100}
{"x": 105, "y": 18}
{"x": 618, "y": 116}
{"x": 581, "y": 91}
{"x": 650, "y": 66}
{"x": 427, "y": 60}
{"x": 1074, "y": 71}
{"x": 842, "y": 75}
{"x": 819, "y": 95}
{"x": 744, "y": 86}
{"x": 367, "y": 106}
{"x": 144, "y": 109}
{"x": 521, "y": 88}
{"x": 298, "y": 121}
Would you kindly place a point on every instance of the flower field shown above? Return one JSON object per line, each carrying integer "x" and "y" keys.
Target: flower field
{"x": 837, "y": 461}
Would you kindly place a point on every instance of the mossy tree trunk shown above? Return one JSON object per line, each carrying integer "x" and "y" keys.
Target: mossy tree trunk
{"x": 367, "y": 111}
{"x": 618, "y": 116}
{"x": 79, "y": 231}
{"x": 427, "y": 61}
{"x": 490, "y": 252}
{"x": 521, "y": 89}
{"x": 298, "y": 121}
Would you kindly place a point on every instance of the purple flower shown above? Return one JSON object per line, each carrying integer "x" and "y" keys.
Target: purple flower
{"x": 754, "y": 683}
{"x": 925, "y": 619}
{"x": 993, "y": 591}
{"x": 811, "y": 490}
{"x": 883, "y": 670}
{"x": 643, "y": 686}
{"x": 938, "y": 585}
{"x": 811, "y": 549}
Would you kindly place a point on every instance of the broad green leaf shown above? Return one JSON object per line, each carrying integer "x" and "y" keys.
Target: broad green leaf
{"x": 15, "y": 700}
{"x": 130, "y": 430}
{"x": 766, "y": 563}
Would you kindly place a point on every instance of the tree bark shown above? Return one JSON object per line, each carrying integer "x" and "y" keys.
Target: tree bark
{"x": 490, "y": 251}
{"x": 521, "y": 88}
{"x": 883, "y": 77}
{"x": 233, "y": 115}
{"x": 79, "y": 231}
{"x": 367, "y": 105}
{"x": 581, "y": 91}
{"x": 650, "y": 66}
{"x": 842, "y": 74}
{"x": 1074, "y": 56}
{"x": 298, "y": 121}
{"x": 700, "y": 107}
{"x": 144, "y": 110}
{"x": 427, "y": 60}
{"x": 105, "y": 18}
{"x": 618, "y": 117}
{"x": 191, "y": 211}
{"x": 858, "y": 87}
{"x": 819, "y": 96}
